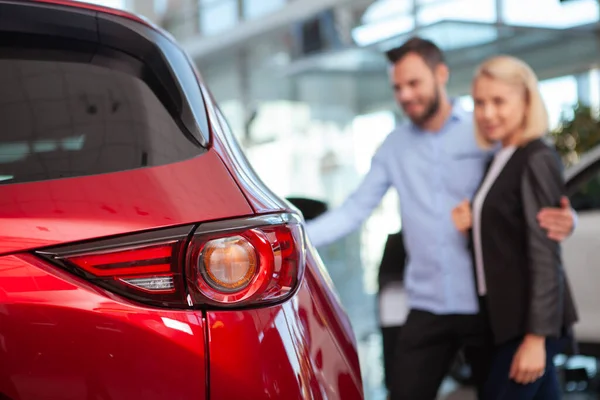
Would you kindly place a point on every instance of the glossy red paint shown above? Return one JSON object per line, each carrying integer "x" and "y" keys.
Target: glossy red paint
{"x": 290, "y": 351}
{"x": 47, "y": 213}
{"x": 333, "y": 314}
{"x": 60, "y": 334}
{"x": 63, "y": 338}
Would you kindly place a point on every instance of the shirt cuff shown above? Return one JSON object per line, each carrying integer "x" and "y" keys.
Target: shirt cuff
{"x": 574, "y": 213}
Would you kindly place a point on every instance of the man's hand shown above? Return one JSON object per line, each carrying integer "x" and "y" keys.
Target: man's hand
{"x": 557, "y": 221}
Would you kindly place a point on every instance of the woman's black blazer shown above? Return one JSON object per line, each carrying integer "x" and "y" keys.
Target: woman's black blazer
{"x": 527, "y": 289}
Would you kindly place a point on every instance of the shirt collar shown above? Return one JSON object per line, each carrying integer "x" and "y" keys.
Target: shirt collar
{"x": 458, "y": 113}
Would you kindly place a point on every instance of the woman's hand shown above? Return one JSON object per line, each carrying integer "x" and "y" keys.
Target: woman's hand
{"x": 461, "y": 216}
{"x": 529, "y": 362}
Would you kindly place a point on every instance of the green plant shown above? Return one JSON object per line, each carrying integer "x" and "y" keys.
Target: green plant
{"x": 577, "y": 132}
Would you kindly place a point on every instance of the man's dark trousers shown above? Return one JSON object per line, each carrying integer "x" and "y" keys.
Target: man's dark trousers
{"x": 427, "y": 346}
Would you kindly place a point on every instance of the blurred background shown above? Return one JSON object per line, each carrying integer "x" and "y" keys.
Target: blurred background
{"x": 304, "y": 86}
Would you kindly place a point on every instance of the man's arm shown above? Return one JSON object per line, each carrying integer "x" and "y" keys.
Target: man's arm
{"x": 337, "y": 223}
{"x": 559, "y": 223}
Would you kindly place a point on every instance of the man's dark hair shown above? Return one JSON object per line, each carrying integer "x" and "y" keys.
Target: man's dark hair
{"x": 429, "y": 52}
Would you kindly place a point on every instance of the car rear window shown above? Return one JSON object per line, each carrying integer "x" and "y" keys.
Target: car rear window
{"x": 65, "y": 119}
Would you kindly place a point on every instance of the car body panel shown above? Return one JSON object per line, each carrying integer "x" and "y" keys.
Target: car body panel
{"x": 62, "y": 338}
{"x": 581, "y": 253}
{"x": 296, "y": 351}
{"x": 40, "y": 214}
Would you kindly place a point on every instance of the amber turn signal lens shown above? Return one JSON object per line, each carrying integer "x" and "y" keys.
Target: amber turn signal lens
{"x": 229, "y": 264}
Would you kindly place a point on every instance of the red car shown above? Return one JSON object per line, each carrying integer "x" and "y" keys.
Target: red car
{"x": 140, "y": 256}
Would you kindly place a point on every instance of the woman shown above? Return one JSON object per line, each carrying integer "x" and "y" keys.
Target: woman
{"x": 519, "y": 271}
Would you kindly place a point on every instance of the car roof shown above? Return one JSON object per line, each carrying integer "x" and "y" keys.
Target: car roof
{"x": 586, "y": 160}
{"x": 99, "y": 8}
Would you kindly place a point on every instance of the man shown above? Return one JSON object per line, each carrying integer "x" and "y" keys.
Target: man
{"x": 434, "y": 163}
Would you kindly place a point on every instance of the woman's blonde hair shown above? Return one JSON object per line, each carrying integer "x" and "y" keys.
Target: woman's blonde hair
{"x": 513, "y": 71}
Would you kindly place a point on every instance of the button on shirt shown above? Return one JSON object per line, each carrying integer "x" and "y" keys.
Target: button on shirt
{"x": 432, "y": 172}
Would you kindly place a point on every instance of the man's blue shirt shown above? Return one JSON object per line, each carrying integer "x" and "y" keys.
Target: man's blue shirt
{"x": 432, "y": 172}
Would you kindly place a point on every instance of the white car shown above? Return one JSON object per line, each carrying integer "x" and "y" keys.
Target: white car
{"x": 581, "y": 251}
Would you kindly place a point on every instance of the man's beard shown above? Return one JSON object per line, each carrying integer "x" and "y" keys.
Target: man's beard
{"x": 431, "y": 110}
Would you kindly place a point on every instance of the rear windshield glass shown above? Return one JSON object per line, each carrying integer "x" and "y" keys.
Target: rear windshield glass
{"x": 62, "y": 119}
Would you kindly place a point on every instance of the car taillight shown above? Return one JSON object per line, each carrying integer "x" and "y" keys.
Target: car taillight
{"x": 230, "y": 263}
{"x": 148, "y": 268}
{"x": 261, "y": 264}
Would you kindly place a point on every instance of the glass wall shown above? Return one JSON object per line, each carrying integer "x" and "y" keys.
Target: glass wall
{"x": 550, "y": 13}
{"x": 430, "y": 11}
{"x": 259, "y": 8}
{"x": 217, "y": 16}
{"x": 386, "y": 19}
